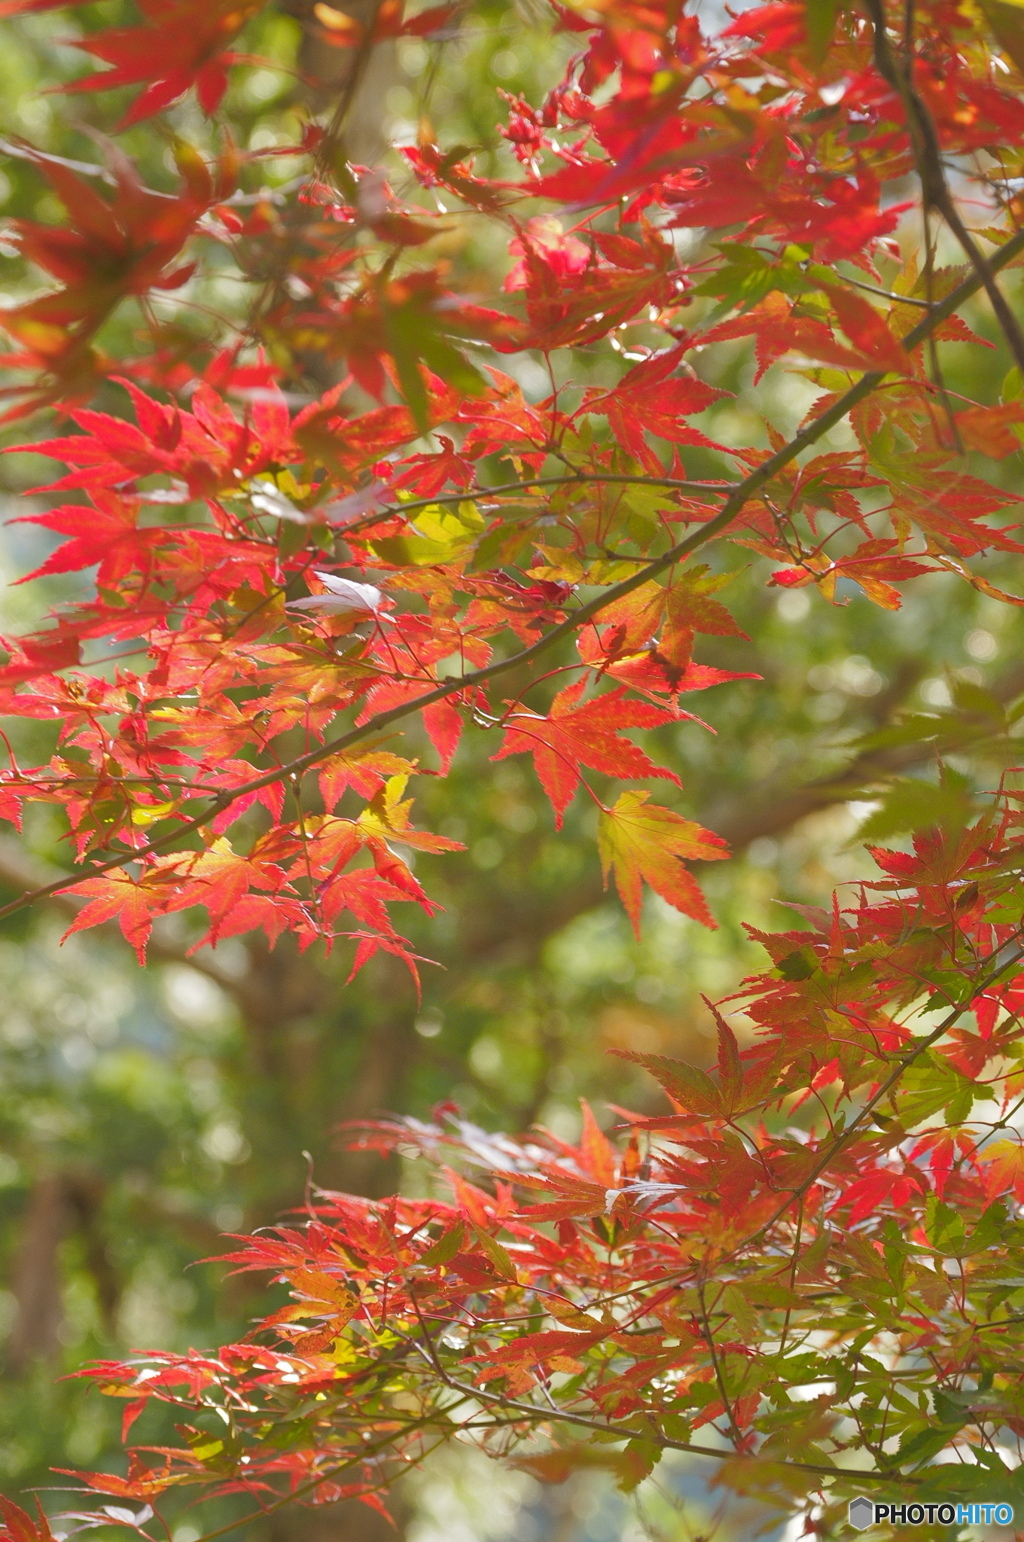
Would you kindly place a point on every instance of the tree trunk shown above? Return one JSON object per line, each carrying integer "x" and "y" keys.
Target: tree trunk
{"x": 37, "y": 1283}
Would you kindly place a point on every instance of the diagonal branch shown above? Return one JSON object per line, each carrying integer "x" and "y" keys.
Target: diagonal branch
{"x": 934, "y": 187}
{"x": 18, "y": 868}
{"x": 1000, "y": 964}
{"x": 741, "y": 492}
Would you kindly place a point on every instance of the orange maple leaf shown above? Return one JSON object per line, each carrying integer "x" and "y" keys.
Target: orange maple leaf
{"x": 642, "y": 841}
{"x": 116, "y": 895}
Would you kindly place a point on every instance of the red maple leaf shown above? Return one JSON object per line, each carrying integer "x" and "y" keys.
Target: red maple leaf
{"x": 184, "y": 45}
{"x": 132, "y": 902}
{"x": 578, "y": 734}
{"x": 652, "y": 399}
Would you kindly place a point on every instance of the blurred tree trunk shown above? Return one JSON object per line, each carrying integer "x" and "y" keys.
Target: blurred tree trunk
{"x": 288, "y": 1055}
{"x": 356, "y": 80}
{"x": 349, "y": 1521}
{"x": 36, "y": 1283}
{"x": 289, "y": 1017}
{"x": 59, "y": 1203}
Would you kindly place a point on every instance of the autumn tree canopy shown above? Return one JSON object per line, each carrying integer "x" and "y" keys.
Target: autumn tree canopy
{"x": 336, "y": 526}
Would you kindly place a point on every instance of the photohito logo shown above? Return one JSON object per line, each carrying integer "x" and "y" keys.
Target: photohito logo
{"x": 867, "y": 1512}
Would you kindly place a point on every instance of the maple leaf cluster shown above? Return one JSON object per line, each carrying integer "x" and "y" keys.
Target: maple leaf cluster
{"x": 299, "y": 579}
{"x": 768, "y": 1274}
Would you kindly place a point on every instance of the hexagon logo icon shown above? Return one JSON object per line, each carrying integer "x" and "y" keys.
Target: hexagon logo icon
{"x": 862, "y": 1513}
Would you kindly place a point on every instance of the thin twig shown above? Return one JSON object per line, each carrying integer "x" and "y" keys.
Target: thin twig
{"x": 725, "y": 1454}
{"x": 934, "y": 187}
{"x": 903, "y": 1065}
{"x": 738, "y": 497}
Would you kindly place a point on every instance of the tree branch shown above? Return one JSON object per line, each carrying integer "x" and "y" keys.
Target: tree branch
{"x": 18, "y": 868}
{"x": 934, "y": 187}
{"x": 904, "y": 1062}
{"x": 808, "y": 435}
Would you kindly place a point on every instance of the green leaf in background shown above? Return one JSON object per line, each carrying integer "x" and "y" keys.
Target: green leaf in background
{"x": 821, "y": 26}
{"x": 1006, "y": 20}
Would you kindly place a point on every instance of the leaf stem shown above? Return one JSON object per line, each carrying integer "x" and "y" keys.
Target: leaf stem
{"x": 808, "y": 435}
